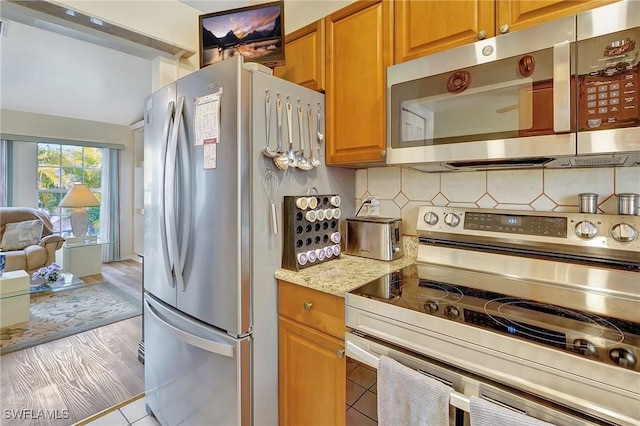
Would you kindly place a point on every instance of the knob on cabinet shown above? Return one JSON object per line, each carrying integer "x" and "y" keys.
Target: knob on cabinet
{"x": 307, "y": 306}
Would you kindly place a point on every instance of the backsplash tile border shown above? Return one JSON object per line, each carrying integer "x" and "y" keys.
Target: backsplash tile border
{"x": 402, "y": 190}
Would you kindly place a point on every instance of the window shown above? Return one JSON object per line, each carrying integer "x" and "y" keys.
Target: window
{"x": 59, "y": 166}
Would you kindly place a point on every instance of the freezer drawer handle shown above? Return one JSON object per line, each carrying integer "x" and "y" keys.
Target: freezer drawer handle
{"x": 190, "y": 339}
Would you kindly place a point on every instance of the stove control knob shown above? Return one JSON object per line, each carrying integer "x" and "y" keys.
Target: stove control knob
{"x": 624, "y": 233}
{"x": 584, "y": 347}
{"x": 622, "y": 357}
{"x": 431, "y": 306}
{"x": 431, "y": 218}
{"x": 451, "y": 312}
{"x": 586, "y": 230}
{"x": 451, "y": 219}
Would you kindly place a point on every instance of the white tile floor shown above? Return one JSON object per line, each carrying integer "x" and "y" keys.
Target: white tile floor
{"x": 361, "y": 408}
{"x": 133, "y": 413}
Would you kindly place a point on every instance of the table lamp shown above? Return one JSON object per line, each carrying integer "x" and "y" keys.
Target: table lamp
{"x": 79, "y": 197}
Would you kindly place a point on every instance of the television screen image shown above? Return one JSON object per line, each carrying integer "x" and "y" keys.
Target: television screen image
{"x": 255, "y": 32}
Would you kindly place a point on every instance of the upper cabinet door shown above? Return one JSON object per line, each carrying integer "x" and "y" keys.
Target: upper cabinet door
{"x": 513, "y": 15}
{"x": 359, "y": 49}
{"x": 305, "y": 57}
{"x": 426, "y": 27}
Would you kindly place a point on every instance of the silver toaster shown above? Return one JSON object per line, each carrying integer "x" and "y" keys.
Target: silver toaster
{"x": 374, "y": 237}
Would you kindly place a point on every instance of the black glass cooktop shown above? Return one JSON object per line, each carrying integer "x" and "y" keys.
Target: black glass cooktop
{"x": 577, "y": 331}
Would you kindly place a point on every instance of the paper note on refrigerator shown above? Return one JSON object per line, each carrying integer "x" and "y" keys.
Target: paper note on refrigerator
{"x": 207, "y": 119}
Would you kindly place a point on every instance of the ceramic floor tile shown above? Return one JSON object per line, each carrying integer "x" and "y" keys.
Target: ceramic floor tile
{"x": 354, "y": 391}
{"x": 368, "y": 405}
{"x": 114, "y": 418}
{"x": 147, "y": 421}
{"x": 363, "y": 376}
{"x": 356, "y": 418}
{"x": 135, "y": 410}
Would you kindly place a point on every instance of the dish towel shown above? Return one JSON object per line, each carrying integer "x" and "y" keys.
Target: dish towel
{"x": 486, "y": 413}
{"x": 406, "y": 397}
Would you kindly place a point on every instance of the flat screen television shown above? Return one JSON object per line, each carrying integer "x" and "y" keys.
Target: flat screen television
{"x": 255, "y": 32}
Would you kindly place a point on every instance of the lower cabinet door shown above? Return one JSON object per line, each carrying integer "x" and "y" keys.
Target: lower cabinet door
{"x": 312, "y": 371}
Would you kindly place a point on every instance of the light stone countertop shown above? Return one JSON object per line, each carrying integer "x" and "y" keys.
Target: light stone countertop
{"x": 341, "y": 275}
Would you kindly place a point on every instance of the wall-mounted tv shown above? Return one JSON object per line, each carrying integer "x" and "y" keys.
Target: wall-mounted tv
{"x": 255, "y": 32}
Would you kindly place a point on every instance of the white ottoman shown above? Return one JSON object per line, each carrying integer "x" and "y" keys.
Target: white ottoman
{"x": 14, "y": 298}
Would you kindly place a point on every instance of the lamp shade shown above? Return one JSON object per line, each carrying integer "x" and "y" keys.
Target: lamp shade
{"x": 79, "y": 196}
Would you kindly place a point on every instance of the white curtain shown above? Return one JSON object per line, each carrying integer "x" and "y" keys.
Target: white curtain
{"x": 110, "y": 205}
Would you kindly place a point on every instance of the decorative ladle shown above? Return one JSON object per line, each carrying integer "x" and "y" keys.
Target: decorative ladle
{"x": 267, "y": 152}
{"x": 319, "y": 134}
{"x": 303, "y": 163}
{"x": 314, "y": 161}
{"x": 291, "y": 154}
{"x": 281, "y": 161}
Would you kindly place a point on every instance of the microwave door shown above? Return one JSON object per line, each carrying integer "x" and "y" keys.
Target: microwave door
{"x": 511, "y": 105}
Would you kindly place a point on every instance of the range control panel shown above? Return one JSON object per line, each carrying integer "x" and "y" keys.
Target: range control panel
{"x": 615, "y": 232}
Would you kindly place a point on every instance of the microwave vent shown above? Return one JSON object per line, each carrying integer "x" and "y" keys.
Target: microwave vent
{"x": 507, "y": 163}
{"x": 598, "y": 160}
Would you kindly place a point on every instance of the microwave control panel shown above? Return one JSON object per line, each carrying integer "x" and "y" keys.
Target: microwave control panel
{"x": 608, "y": 81}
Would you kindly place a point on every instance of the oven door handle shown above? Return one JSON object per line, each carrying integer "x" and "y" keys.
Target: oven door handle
{"x": 456, "y": 398}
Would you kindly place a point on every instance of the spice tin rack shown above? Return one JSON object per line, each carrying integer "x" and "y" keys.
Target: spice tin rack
{"x": 311, "y": 230}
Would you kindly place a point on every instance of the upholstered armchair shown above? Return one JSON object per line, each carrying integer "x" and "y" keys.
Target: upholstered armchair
{"x": 26, "y": 239}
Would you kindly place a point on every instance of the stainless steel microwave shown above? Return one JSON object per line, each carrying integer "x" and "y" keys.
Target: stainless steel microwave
{"x": 561, "y": 94}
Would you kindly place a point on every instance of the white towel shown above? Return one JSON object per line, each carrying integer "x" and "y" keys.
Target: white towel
{"x": 486, "y": 413}
{"x": 406, "y": 397}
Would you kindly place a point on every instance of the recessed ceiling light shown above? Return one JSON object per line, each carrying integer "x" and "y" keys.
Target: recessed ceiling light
{"x": 95, "y": 21}
{"x": 70, "y": 12}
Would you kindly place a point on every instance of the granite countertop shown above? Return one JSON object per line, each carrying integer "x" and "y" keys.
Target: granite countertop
{"x": 341, "y": 275}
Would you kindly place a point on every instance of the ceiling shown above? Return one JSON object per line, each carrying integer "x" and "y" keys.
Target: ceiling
{"x": 55, "y": 73}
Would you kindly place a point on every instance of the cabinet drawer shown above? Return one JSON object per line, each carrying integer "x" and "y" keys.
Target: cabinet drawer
{"x": 322, "y": 311}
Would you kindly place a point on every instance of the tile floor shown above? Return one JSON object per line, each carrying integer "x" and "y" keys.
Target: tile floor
{"x": 134, "y": 413}
{"x": 362, "y": 406}
{"x": 361, "y": 403}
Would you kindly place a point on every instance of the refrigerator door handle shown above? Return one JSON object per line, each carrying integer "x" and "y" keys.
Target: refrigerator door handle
{"x": 170, "y": 222}
{"x": 190, "y": 339}
{"x": 163, "y": 234}
{"x": 186, "y": 194}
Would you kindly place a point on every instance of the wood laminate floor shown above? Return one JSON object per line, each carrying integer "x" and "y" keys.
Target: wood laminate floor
{"x": 67, "y": 380}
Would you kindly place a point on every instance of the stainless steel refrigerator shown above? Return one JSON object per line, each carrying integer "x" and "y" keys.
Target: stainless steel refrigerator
{"x": 210, "y": 306}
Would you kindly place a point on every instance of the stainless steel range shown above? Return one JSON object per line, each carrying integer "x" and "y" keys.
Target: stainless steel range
{"x": 537, "y": 311}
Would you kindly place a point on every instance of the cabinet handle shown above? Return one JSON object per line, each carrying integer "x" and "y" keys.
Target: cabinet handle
{"x": 482, "y": 35}
{"x": 307, "y": 306}
{"x": 504, "y": 29}
{"x": 383, "y": 153}
{"x": 340, "y": 353}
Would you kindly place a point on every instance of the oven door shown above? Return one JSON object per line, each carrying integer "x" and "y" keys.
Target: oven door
{"x": 507, "y": 97}
{"x": 368, "y": 350}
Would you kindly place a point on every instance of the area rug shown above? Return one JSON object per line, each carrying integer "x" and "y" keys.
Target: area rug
{"x": 55, "y": 315}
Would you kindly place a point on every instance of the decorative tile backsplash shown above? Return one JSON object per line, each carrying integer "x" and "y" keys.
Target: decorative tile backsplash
{"x": 402, "y": 190}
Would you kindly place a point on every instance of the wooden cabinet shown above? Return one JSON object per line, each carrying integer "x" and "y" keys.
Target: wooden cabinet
{"x": 359, "y": 49}
{"x": 305, "y": 57}
{"x": 425, "y": 27}
{"x": 311, "y": 361}
{"x": 519, "y": 14}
